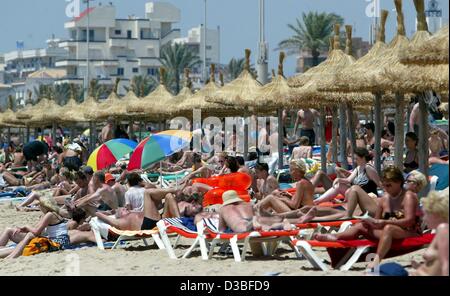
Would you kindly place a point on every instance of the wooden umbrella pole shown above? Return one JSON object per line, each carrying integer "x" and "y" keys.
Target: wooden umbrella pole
{"x": 28, "y": 135}
{"x": 343, "y": 136}
{"x": 280, "y": 139}
{"x": 140, "y": 131}
{"x": 91, "y": 136}
{"x": 323, "y": 153}
{"x": 335, "y": 135}
{"x": 245, "y": 139}
{"x": 352, "y": 134}
{"x": 72, "y": 133}
{"x": 95, "y": 134}
{"x": 423, "y": 135}
{"x": 371, "y": 115}
{"x": 399, "y": 130}
{"x": 54, "y": 133}
{"x": 9, "y": 135}
{"x": 378, "y": 120}
{"x": 35, "y": 133}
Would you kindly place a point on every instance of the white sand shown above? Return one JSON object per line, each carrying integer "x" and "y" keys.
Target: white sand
{"x": 141, "y": 260}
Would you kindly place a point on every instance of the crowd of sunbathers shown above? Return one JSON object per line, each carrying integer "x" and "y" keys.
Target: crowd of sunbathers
{"x": 69, "y": 195}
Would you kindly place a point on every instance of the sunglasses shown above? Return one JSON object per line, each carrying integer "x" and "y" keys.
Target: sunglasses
{"x": 410, "y": 181}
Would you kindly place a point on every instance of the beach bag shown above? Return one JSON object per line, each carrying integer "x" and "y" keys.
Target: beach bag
{"x": 40, "y": 245}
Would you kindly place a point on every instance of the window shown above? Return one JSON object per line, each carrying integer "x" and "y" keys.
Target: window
{"x": 151, "y": 71}
{"x": 129, "y": 34}
{"x": 208, "y": 47}
{"x": 120, "y": 72}
{"x": 118, "y": 32}
{"x": 135, "y": 70}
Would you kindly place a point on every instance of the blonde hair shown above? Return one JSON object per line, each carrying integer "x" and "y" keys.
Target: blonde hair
{"x": 420, "y": 179}
{"x": 299, "y": 164}
{"x": 436, "y": 203}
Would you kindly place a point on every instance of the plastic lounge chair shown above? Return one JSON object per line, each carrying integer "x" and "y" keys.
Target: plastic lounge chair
{"x": 122, "y": 235}
{"x": 441, "y": 171}
{"x": 274, "y": 237}
{"x": 344, "y": 254}
{"x": 175, "y": 226}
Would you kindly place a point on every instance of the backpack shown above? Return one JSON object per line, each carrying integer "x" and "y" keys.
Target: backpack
{"x": 40, "y": 245}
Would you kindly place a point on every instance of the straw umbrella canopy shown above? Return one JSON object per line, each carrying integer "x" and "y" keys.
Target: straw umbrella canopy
{"x": 152, "y": 106}
{"x": 433, "y": 51}
{"x": 184, "y": 94}
{"x": 199, "y": 101}
{"x": 240, "y": 93}
{"x": 8, "y": 116}
{"x": 113, "y": 107}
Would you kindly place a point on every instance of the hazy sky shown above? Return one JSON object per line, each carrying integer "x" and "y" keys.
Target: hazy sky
{"x": 35, "y": 21}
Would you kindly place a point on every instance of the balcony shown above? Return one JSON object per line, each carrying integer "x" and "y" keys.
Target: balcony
{"x": 74, "y": 43}
{"x": 169, "y": 36}
{"x": 149, "y": 62}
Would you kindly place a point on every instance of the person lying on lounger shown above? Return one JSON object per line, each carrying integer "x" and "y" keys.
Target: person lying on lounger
{"x": 396, "y": 217}
{"x": 235, "y": 215}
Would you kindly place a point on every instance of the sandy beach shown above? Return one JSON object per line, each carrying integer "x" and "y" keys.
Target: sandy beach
{"x": 140, "y": 260}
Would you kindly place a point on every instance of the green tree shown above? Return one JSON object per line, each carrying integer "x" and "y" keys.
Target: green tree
{"x": 175, "y": 58}
{"x": 312, "y": 33}
{"x": 142, "y": 85}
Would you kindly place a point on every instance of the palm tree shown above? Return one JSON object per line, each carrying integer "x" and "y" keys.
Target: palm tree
{"x": 175, "y": 58}
{"x": 99, "y": 91}
{"x": 142, "y": 85}
{"x": 312, "y": 33}
{"x": 235, "y": 67}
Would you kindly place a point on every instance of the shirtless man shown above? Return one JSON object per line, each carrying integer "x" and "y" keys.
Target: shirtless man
{"x": 104, "y": 198}
{"x": 199, "y": 169}
{"x": 304, "y": 151}
{"x": 306, "y": 118}
{"x": 118, "y": 188}
{"x": 108, "y": 131}
{"x": 235, "y": 214}
{"x": 266, "y": 183}
{"x": 284, "y": 202}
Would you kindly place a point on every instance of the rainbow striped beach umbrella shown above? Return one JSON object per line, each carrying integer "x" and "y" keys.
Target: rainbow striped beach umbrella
{"x": 157, "y": 147}
{"x": 109, "y": 153}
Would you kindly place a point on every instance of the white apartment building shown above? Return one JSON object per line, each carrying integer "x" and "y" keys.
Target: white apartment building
{"x": 196, "y": 41}
{"x": 20, "y": 63}
{"x": 118, "y": 47}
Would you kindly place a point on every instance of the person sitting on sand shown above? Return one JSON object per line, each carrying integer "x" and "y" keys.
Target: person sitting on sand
{"x": 55, "y": 226}
{"x": 235, "y": 215}
{"x": 303, "y": 151}
{"x": 266, "y": 183}
{"x": 103, "y": 199}
{"x": 80, "y": 180}
{"x": 363, "y": 175}
{"x": 396, "y": 217}
{"x": 435, "y": 207}
{"x": 284, "y": 201}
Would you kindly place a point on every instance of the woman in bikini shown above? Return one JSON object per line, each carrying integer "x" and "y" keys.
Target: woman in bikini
{"x": 412, "y": 155}
{"x": 397, "y": 217}
{"x": 435, "y": 207}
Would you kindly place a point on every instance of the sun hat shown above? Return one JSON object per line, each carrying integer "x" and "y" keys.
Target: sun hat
{"x": 47, "y": 201}
{"x": 230, "y": 197}
{"x": 109, "y": 177}
{"x": 392, "y": 269}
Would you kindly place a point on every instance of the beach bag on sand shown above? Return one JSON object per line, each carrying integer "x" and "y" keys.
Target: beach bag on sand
{"x": 40, "y": 245}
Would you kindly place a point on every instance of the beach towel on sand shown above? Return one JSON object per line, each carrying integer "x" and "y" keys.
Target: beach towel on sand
{"x": 40, "y": 245}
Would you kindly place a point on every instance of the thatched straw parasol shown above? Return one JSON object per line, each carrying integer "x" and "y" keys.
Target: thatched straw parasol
{"x": 398, "y": 77}
{"x": 199, "y": 101}
{"x": 8, "y": 116}
{"x": 341, "y": 60}
{"x": 240, "y": 93}
{"x": 113, "y": 107}
{"x": 336, "y": 59}
{"x": 71, "y": 112}
{"x": 45, "y": 112}
{"x": 184, "y": 94}
{"x": 432, "y": 51}
{"x": 151, "y": 105}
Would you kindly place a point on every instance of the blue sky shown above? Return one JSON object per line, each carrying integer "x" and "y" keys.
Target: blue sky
{"x": 35, "y": 21}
